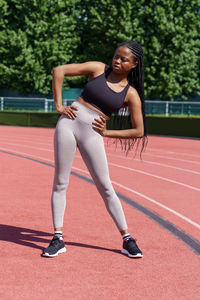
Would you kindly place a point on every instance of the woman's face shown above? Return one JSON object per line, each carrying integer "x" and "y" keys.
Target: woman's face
{"x": 123, "y": 60}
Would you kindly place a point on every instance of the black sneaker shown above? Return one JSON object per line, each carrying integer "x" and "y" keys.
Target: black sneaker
{"x": 130, "y": 248}
{"x": 55, "y": 247}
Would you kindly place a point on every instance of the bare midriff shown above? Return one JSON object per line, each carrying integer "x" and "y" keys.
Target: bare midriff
{"x": 80, "y": 100}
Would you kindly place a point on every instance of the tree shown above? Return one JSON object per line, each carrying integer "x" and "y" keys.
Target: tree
{"x": 35, "y": 36}
{"x": 167, "y": 30}
{"x": 103, "y": 25}
{"x": 171, "y": 42}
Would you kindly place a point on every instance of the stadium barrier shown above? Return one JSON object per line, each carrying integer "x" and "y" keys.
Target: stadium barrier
{"x": 153, "y": 107}
{"x": 188, "y": 127}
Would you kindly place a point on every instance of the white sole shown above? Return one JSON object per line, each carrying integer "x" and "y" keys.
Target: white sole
{"x": 63, "y": 250}
{"x": 124, "y": 251}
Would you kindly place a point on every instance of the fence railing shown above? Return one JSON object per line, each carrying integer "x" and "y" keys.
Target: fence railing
{"x": 153, "y": 107}
{"x": 36, "y": 104}
{"x": 168, "y": 108}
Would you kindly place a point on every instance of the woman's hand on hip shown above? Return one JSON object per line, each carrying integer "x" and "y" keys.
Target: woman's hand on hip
{"x": 100, "y": 125}
{"x": 69, "y": 111}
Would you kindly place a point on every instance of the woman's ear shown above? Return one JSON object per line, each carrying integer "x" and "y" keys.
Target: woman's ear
{"x": 135, "y": 64}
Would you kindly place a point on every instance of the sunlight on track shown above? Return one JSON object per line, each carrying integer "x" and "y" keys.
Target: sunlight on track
{"x": 27, "y": 154}
{"x": 156, "y": 176}
{"x": 155, "y": 163}
{"x": 173, "y": 158}
{"x": 152, "y": 175}
{"x": 173, "y": 152}
{"x": 31, "y": 147}
{"x": 118, "y": 184}
{"x": 149, "y": 199}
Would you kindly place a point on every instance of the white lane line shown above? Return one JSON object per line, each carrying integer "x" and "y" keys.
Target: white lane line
{"x": 124, "y": 187}
{"x": 172, "y": 158}
{"x": 31, "y": 147}
{"x": 27, "y": 154}
{"x": 131, "y": 169}
{"x": 166, "y": 157}
{"x": 156, "y": 176}
{"x": 27, "y": 141}
{"x": 159, "y": 204}
{"x": 43, "y": 149}
{"x": 162, "y": 151}
{"x": 145, "y": 153}
{"x": 112, "y": 146}
{"x": 155, "y": 163}
{"x": 173, "y": 152}
{"x": 152, "y": 175}
{"x": 149, "y": 199}
{"x": 30, "y": 137}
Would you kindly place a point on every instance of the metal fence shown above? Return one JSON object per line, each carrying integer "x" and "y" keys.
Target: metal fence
{"x": 169, "y": 108}
{"x": 30, "y": 104}
{"x": 153, "y": 107}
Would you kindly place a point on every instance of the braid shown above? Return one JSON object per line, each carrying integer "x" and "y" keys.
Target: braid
{"x": 136, "y": 79}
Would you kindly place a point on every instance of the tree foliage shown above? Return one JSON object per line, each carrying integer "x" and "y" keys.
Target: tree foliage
{"x": 37, "y": 35}
{"x": 172, "y": 47}
{"x": 167, "y": 30}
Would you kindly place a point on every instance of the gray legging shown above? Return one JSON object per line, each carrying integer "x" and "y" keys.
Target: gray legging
{"x": 69, "y": 135}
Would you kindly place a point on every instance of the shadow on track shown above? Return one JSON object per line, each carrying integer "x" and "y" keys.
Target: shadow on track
{"x": 23, "y": 236}
{"x": 30, "y": 238}
{"x": 92, "y": 247}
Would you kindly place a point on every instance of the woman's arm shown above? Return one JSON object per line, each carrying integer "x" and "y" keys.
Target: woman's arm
{"x": 135, "y": 108}
{"x": 91, "y": 68}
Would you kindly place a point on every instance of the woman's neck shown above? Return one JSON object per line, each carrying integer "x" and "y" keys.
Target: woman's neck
{"x": 117, "y": 78}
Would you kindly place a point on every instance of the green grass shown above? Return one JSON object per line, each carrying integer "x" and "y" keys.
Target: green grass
{"x": 174, "y": 116}
{"x": 26, "y": 111}
{"x": 148, "y": 115}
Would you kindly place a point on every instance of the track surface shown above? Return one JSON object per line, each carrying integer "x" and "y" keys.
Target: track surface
{"x": 165, "y": 182}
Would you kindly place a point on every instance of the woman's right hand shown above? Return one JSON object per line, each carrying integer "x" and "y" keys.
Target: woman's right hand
{"x": 69, "y": 111}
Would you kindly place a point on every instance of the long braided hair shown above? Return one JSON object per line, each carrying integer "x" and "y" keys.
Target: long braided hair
{"x": 136, "y": 79}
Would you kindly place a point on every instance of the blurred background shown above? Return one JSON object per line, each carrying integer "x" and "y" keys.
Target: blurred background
{"x": 38, "y": 35}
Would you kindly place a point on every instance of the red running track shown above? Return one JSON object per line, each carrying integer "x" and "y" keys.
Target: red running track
{"x": 166, "y": 182}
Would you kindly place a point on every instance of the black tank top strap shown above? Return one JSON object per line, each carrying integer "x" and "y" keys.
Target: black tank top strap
{"x": 108, "y": 70}
{"x": 98, "y": 94}
{"x": 126, "y": 88}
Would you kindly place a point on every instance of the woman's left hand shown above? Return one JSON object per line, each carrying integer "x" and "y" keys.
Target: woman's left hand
{"x": 100, "y": 125}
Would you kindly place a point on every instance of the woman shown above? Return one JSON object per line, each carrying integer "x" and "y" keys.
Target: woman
{"x": 83, "y": 125}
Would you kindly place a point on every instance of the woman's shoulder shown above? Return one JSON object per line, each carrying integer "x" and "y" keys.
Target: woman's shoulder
{"x": 132, "y": 96}
{"x": 96, "y": 68}
{"x": 132, "y": 91}
{"x": 96, "y": 65}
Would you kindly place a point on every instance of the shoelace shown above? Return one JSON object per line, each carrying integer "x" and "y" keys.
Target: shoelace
{"x": 54, "y": 241}
{"x": 130, "y": 239}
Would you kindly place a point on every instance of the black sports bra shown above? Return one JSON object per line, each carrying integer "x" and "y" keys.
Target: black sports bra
{"x": 100, "y": 95}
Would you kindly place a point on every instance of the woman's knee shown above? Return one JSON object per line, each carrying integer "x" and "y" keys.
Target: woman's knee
{"x": 60, "y": 185}
{"x": 107, "y": 191}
